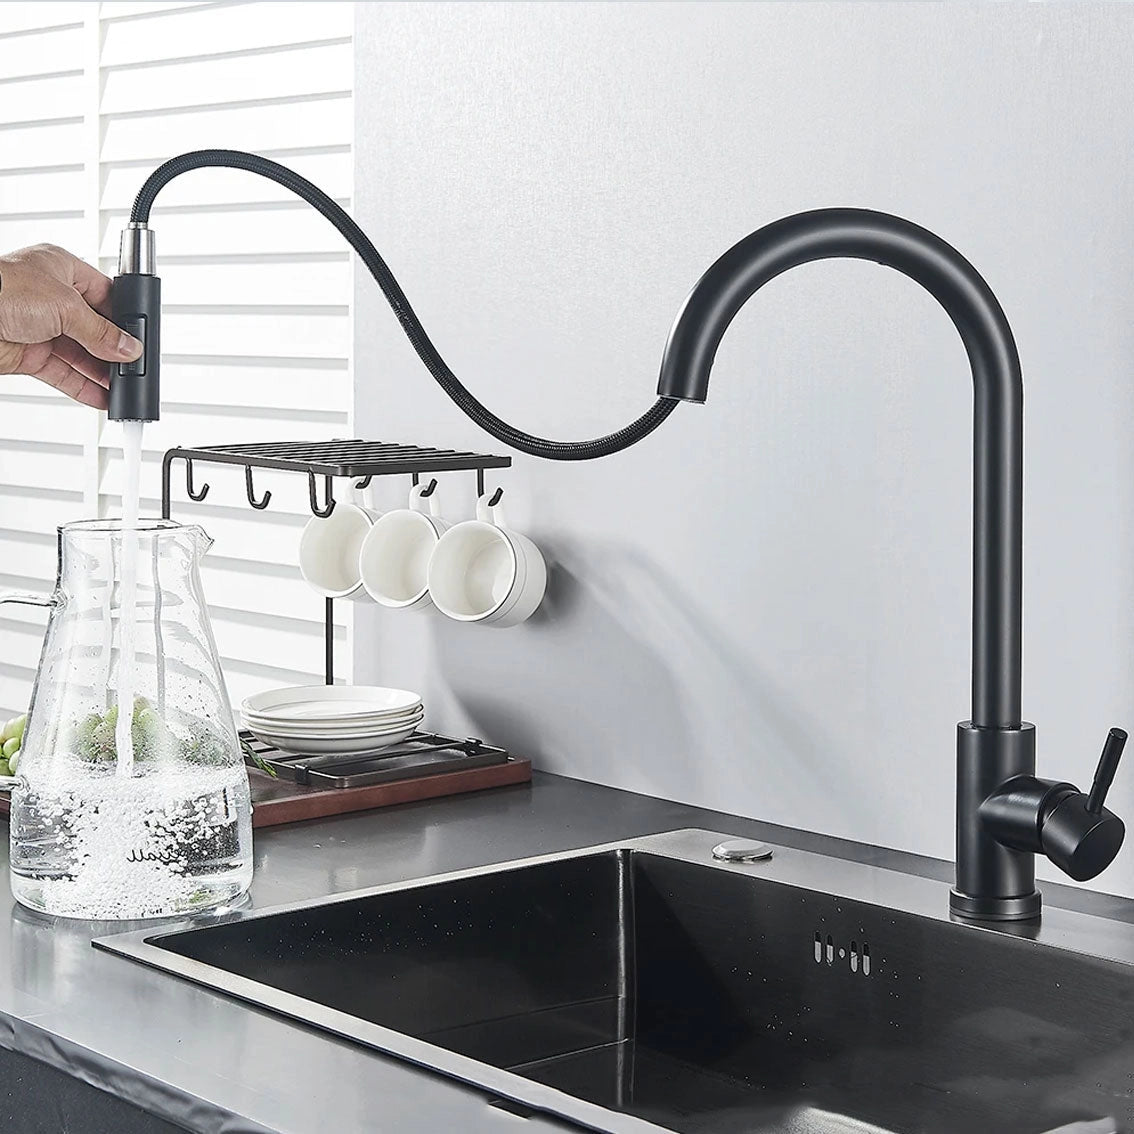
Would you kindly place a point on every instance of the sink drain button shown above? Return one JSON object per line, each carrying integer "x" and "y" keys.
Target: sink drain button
{"x": 741, "y": 850}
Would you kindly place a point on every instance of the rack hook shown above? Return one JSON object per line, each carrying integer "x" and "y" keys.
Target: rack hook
{"x": 329, "y": 507}
{"x": 431, "y": 489}
{"x": 364, "y": 482}
{"x": 193, "y": 495}
{"x": 259, "y": 505}
{"x": 496, "y": 498}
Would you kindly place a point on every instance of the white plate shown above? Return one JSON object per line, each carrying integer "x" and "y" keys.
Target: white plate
{"x": 373, "y": 731}
{"x": 326, "y": 746}
{"x": 325, "y": 714}
{"x": 334, "y": 724}
{"x": 323, "y": 702}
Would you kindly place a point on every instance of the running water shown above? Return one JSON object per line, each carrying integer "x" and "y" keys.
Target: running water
{"x": 128, "y": 588}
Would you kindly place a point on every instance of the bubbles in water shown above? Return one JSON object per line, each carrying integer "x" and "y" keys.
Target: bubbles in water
{"x": 149, "y": 845}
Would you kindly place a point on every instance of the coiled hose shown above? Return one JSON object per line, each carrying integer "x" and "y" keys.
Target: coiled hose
{"x": 407, "y": 317}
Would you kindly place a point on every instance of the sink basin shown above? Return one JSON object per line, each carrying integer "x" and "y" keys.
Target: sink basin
{"x": 646, "y": 985}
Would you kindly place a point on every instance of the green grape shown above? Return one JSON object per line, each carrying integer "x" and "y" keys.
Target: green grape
{"x": 149, "y": 734}
{"x": 102, "y": 740}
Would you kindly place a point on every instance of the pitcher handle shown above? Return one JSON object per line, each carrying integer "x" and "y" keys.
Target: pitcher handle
{"x": 27, "y": 598}
{"x": 24, "y": 598}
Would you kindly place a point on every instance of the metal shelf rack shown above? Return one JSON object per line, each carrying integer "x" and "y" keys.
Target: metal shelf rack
{"x": 358, "y": 460}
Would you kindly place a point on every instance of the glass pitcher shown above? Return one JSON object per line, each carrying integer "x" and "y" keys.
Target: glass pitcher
{"x": 120, "y": 812}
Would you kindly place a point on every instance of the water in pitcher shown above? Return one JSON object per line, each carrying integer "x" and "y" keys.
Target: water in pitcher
{"x": 133, "y": 798}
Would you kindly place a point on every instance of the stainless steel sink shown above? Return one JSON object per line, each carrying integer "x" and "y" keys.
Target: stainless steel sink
{"x": 645, "y": 985}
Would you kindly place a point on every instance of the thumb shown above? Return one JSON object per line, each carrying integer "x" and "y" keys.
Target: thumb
{"x": 100, "y": 336}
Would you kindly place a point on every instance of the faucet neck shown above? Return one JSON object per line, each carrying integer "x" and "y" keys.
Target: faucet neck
{"x": 998, "y": 399}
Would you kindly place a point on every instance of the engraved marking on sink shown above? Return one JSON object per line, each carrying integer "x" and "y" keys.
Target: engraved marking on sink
{"x": 859, "y": 957}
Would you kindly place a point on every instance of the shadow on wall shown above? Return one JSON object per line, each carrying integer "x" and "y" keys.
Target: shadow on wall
{"x": 588, "y": 684}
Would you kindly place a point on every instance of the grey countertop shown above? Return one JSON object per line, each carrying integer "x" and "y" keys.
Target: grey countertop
{"x": 214, "y": 1065}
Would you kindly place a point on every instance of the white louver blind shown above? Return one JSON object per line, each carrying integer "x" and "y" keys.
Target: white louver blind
{"x": 256, "y": 288}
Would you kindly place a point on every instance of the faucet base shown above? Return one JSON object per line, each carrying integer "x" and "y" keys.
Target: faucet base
{"x": 970, "y": 908}
{"x": 994, "y": 882}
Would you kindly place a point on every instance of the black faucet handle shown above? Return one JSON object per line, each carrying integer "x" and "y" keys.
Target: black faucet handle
{"x": 1078, "y": 833}
{"x": 1104, "y": 773}
{"x": 1073, "y": 828}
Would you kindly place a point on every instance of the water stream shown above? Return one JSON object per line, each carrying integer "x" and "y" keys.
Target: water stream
{"x": 128, "y": 587}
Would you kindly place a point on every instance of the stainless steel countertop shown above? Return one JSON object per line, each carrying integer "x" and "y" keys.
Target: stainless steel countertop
{"x": 196, "y": 1058}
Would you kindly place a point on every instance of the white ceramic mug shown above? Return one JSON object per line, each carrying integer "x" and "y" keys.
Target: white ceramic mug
{"x": 328, "y": 551}
{"x": 395, "y": 554}
{"x": 483, "y": 572}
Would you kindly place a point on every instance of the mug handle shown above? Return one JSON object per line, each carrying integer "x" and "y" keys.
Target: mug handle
{"x": 418, "y": 502}
{"x": 490, "y": 513}
{"x": 24, "y": 598}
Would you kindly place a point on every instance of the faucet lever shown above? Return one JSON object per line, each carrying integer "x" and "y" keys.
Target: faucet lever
{"x": 1104, "y": 773}
{"x": 1072, "y": 827}
{"x": 1077, "y": 832}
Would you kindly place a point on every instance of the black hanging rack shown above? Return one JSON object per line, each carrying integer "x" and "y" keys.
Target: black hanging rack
{"x": 357, "y": 460}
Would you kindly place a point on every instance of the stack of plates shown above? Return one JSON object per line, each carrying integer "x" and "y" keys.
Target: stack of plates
{"x": 316, "y": 720}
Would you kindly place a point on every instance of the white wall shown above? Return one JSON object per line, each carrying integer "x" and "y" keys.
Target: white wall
{"x": 765, "y": 607}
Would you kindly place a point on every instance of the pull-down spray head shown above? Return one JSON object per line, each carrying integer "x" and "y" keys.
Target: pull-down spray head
{"x": 135, "y": 301}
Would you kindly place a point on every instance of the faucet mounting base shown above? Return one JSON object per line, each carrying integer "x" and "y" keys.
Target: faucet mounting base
{"x": 970, "y": 908}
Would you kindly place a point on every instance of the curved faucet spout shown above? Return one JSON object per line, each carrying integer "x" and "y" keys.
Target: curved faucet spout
{"x": 998, "y": 398}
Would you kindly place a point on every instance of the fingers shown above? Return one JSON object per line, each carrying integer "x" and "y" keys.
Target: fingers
{"x": 92, "y": 285}
{"x": 67, "y": 380}
{"x": 100, "y": 336}
{"x": 83, "y": 361}
{"x": 11, "y": 357}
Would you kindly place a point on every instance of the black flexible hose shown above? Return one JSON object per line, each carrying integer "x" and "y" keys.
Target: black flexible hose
{"x": 411, "y": 324}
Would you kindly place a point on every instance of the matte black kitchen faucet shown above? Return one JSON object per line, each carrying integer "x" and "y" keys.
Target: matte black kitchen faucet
{"x": 1005, "y": 815}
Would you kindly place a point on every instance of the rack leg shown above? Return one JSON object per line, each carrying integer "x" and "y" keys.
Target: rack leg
{"x": 165, "y": 488}
{"x": 329, "y": 636}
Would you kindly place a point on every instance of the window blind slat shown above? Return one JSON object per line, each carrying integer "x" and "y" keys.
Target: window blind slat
{"x": 16, "y": 18}
{"x": 293, "y": 335}
{"x": 27, "y": 192}
{"x": 292, "y": 284}
{"x": 213, "y": 31}
{"x": 32, "y": 100}
{"x": 320, "y": 122}
{"x": 287, "y": 383}
{"x": 115, "y": 10}
{"x": 28, "y": 555}
{"x": 33, "y": 465}
{"x": 17, "y": 231}
{"x": 41, "y": 53}
{"x": 22, "y": 147}
{"x": 35, "y": 514}
{"x": 24, "y": 419}
{"x": 296, "y": 71}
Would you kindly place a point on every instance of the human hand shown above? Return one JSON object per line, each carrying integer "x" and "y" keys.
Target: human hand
{"x": 53, "y": 323}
